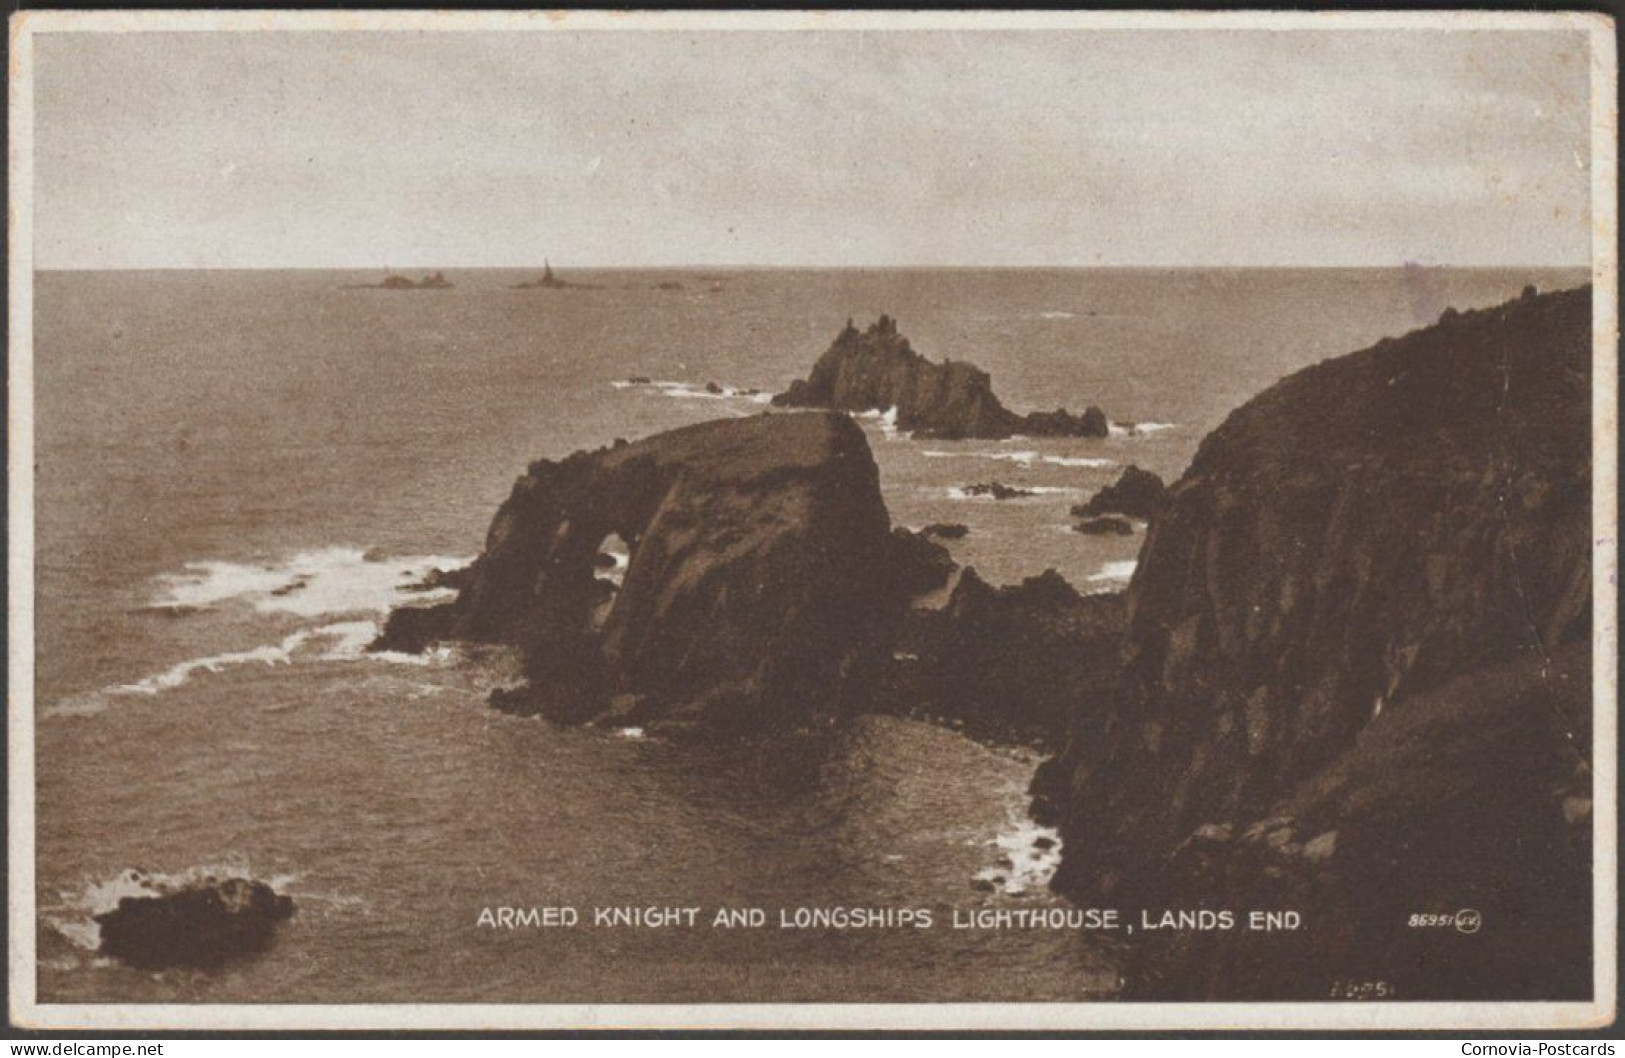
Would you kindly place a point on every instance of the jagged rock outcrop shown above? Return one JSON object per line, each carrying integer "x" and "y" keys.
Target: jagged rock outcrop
{"x": 1136, "y": 493}
{"x": 202, "y": 924}
{"x": 1007, "y": 664}
{"x": 763, "y": 586}
{"x": 877, "y": 369}
{"x": 1310, "y": 607}
{"x": 1105, "y": 525}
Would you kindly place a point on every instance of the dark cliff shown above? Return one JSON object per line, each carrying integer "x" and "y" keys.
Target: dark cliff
{"x": 1006, "y": 664}
{"x": 763, "y": 586}
{"x": 1310, "y": 609}
{"x": 877, "y": 369}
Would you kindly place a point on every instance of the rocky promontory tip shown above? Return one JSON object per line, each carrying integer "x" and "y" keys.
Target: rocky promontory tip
{"x": 1353, "y": 677}
{"x": 877, "y": 370}
{"x": 202, "y": 924}
{"x": 763, "y": 586}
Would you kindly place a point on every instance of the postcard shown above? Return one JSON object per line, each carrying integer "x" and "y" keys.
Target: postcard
{"x": 797, "y": 520}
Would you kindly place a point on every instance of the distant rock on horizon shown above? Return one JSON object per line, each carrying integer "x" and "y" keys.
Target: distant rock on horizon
{"x": 877, "y": 369}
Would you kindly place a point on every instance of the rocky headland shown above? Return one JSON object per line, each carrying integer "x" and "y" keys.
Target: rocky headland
{"x": 877, "y": 370}
{"x": 1354, "y": 681}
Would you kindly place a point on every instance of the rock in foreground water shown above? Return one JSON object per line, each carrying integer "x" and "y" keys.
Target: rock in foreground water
{"x": 203, "y": 924}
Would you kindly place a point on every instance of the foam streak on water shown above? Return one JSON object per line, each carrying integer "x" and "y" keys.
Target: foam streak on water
{"x": 331, "y": 581}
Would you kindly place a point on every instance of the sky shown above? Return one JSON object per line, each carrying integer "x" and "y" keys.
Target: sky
{"x": 1038, "y": 148}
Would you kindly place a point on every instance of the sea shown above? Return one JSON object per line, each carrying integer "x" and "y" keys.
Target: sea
{"x": 238, "y": 473}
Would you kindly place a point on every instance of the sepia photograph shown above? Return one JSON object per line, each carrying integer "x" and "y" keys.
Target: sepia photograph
{"x": 817, "y": 520}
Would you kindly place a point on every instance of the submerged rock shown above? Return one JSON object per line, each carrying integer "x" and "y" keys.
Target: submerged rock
{"x": 763, "y": 588}
{"x": 204, "y": 924}
{"x": 877, "y": 369}
{"x": 1311, "y": 635}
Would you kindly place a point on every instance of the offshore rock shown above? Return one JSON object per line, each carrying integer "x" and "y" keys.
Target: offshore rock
{"x": 1309, "y": 650}
{"x": 1107, "y": 525}
{"x": 877, "y": 369}
{"x": 201, "y": 925}
{"x": 763, "y": 588}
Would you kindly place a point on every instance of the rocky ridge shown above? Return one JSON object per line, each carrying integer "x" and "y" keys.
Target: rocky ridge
{"x": 877, "y": 370}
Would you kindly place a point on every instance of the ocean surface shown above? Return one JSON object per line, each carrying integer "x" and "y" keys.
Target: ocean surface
{"x": 238, "y": 473}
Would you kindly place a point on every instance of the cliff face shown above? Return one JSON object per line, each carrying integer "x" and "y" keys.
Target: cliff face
{"x": 763, "y": 583}
{"x": 877, "y": 369}
{"x": 1348, "y": 543}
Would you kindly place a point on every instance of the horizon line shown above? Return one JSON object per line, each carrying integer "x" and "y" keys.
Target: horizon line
{"x": 737, "y": 267}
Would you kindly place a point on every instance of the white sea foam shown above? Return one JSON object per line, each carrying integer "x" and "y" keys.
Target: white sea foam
{"x": 1029, "y": 855}
{"x": 334, "y": 580}
{"x": 1115, "y": 571}
{"x": 274, "y": 654}
{"x": 1139, "y": 429}
{"x": 1079, "y": 461}
{"x": 1057, "y": 314}
{"x": 1023, "y": 457}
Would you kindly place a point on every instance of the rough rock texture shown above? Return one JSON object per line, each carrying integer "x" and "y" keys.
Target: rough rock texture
{"x": 877, "y": 369}
{"x": 1344, "y": 546}
{"x": 1136, "y": 493}
{"x": 201, "y": 925}
{"x": 1470, "y": 797}
{"x": 763, "y": 586}
{"x": 1007, "y": 664}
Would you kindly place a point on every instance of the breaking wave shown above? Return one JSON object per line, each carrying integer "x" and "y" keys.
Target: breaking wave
{"x": 73, "y": 916}
{"x": 958, "y": 492}
{"x": 695, "y": 391}
{"x": 888, "y": 423}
